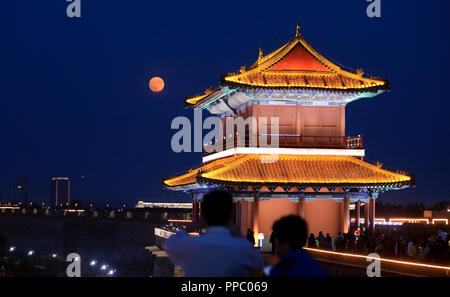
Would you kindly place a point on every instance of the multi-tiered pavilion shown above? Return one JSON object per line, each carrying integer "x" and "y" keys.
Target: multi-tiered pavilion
{"x": 317, "y": 171}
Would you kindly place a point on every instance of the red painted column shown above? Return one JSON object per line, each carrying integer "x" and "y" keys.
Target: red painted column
{"x": 358, "y": 213}
{"x": 345, "y": 214}
{"x": 372, "y": 214}
{"x": 256, "y": 218}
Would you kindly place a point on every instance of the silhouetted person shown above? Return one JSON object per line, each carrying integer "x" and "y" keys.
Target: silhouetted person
{"x": 351, "y": 240}
{"x": 251, "y": 236}
{"x": 338, "y": 242}
{"x": 312, "y": 241}
{"x": 216, "y": 252}
{"x": 328, "y": 241}
{"x": 290, "y": 235}
{"x": 321, "y": 240}
{"x": 272, "y": 241}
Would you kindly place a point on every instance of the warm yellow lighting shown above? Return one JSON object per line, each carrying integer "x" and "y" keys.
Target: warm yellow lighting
{"x": 9, "y": 207}
{"x": 325, "y": 75}
{"x": 74, "y": 210}
{"x": 381, "y": 259}
{"x": 331, "y": 76}
{"x": 440, "y": 220}
{"x": 179, "y": 221}
{"x": 304, "y": 169}
{"x": 290, "y": 169}
{"x": 285, "y": 79}
{"x": 409, "y": 220}
{"x": 195, "y": 99}
{"x": 376, "y": 220}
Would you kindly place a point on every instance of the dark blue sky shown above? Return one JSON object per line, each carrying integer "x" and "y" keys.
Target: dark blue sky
{"x": 75, "y": 101}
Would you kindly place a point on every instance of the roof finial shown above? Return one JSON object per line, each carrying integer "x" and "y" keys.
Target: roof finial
{"x": 359, "y": 72}
{"x": 297, "y": 34}
{"x": 260, "y": 53}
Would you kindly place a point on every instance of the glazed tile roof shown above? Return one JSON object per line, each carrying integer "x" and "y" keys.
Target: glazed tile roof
{"x": 194, "y": 99}
{"x": 297, "y": 65}
{"x": 292, "y": 170}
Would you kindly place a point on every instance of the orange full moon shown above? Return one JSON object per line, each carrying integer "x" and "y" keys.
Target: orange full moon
{"x": 156, "y": 84}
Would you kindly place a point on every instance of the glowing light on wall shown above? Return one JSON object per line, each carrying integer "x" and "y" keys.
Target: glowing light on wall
{"x": 409, "y": 220}
{"x": 381, "y": 259}
{"x": 179, "y": 221}
{"x": 440, "y": 220}
{"x": 381, "y": 220}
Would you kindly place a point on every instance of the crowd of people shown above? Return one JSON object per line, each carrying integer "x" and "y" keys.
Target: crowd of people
{"x": 403, "y": 243}
{"x": 173, "y": 227}
{"x": 221, "y": 250}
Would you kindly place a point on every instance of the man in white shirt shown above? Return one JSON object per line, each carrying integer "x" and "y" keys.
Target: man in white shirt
{"x": 217, "y": 253}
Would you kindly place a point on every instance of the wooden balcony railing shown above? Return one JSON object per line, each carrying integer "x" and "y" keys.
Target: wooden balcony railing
{"x": 290, "y": 141}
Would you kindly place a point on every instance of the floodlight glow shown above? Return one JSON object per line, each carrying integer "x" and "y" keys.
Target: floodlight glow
{"x": 381, "y": 259}
{"x": 440, "y": 220}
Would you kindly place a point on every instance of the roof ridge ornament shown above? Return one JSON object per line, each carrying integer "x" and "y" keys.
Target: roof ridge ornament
{"x": 359, "y": 72}
{"x": 297, "y": 33}
{"x": 260, "y": 55}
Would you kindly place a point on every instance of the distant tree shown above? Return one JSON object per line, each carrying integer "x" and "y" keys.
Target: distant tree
{"x": 393, "y": 210}
{"x": 440, "y": 206}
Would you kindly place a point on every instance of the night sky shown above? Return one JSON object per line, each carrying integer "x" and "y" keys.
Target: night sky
{"x": 75, "y": 99}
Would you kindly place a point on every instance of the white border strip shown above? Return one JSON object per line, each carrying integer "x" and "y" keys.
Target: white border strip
{"x": 285, "y": 151}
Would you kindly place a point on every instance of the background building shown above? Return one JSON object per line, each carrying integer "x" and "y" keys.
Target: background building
{"x": 20, "y": 190}
{"x": 15, "y": 193}
{"x": 60, "y": 192}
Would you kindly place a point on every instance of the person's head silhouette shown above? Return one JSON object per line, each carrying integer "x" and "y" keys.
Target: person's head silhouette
{"x": 290, "y": 233}
{"x": 217, "y": 208}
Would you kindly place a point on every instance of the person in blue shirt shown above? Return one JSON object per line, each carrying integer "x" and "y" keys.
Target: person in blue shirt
{"x": 221, "y": 251}
{"x": 290, "y": 234}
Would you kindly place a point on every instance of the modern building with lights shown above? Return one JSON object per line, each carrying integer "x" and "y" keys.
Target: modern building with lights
{"x": 317, "y": 171}
{"x": 60, "y": 191}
